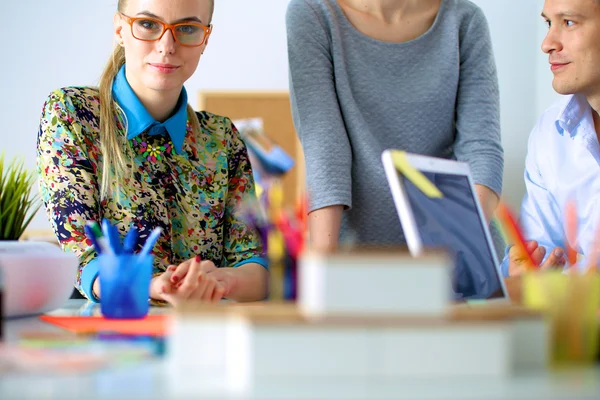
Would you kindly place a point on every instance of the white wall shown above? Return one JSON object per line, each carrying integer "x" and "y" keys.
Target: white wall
{"x": 514, "y": 26}
{"x": 246, "y": 51}
{"x": 525, "y": 79}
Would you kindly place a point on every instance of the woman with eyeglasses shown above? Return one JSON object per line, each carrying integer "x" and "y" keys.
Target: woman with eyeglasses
{"x": 134, "y": 152}
{"x": 370, "y": 75}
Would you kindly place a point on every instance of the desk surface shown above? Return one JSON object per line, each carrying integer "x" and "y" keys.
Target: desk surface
{"x": 150, "y": 381}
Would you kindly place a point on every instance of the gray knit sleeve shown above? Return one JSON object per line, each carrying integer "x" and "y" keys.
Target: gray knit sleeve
{"x": 478, "y": 105}
{"x": 315, "y": 109}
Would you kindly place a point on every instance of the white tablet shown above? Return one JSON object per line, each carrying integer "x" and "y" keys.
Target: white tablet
{"x": 454, "y": 222}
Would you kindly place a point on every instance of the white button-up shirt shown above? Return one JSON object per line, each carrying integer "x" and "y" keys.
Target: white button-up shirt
{"x": 562, "y": 164}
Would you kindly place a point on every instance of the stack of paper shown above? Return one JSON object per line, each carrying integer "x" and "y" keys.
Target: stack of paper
{"x": 354, "y": 326}
{"x": 234, "y": 349}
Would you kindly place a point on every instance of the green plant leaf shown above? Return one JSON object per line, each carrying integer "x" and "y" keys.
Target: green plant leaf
{"x": 17, "y": 204}
{"x": 28, "y": 220}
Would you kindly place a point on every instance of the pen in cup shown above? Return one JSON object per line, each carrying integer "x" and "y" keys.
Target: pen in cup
{"x": 130, "y": 241}
{"x": 92, "y": 237}
{"x": 111, "y": 233}
{"x": 151, "y": 241}
{"x": 97, "y": 238}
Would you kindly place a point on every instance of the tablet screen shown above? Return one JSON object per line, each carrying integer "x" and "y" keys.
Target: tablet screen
{"x": 453, "y": 223}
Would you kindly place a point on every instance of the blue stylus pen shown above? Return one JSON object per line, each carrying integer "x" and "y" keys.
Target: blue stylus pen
{"x": 151, "y": 241}
{"x": 111, "y": 233}
{"x": 130, "y": 242}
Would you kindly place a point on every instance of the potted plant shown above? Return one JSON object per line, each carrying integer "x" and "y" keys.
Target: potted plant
{"x": 17, "y": 204}
{"x": 38, "y": 276}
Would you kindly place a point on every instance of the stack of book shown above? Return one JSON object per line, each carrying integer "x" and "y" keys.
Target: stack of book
{"x": 364, "y": 316}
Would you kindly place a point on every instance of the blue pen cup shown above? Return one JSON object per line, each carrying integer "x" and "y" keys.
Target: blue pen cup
{"x": 125, "y": 285}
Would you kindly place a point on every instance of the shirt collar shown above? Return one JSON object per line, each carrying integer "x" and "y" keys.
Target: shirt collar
{"x": 571, "y": 114}
{"x": 139, "y": 119}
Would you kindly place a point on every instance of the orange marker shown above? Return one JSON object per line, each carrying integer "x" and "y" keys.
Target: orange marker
{"x": 571, "y": 231}
{"x": 512, "y": 229}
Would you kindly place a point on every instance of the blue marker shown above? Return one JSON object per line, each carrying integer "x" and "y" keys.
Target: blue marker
{"x": 103, "y": 246}
{"x": 151, "y": 241}
{"x": 130, "y": 241}
{"x": 90, "y": 234}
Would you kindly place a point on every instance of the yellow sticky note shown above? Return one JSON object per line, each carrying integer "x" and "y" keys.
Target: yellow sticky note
{"x": 415, "y": 176}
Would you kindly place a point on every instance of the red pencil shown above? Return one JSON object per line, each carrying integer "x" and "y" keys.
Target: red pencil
{"x": 301, "y": 211}
{"x": 513, "y": 230}
{"x": 292, "y": 237}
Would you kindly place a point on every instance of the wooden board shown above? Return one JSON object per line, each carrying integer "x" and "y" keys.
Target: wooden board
{"x": 39, "y": 235}
{"x": 274, "y": 109}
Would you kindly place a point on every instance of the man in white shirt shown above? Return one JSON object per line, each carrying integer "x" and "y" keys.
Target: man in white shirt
{"x": 563, "y": 159}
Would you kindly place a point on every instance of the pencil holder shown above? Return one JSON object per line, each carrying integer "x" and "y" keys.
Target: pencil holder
{"x": 125, "y": 285}
{"x": 571, "y": 302}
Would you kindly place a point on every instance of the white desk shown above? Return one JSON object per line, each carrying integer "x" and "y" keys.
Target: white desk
{"x": 150, "y": 381}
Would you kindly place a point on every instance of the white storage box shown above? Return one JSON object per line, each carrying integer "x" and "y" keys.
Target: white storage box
{"x": 374, "y": 283}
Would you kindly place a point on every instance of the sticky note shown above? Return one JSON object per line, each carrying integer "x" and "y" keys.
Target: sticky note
{"x": 152, "y": 325}
{"x": 415, "y": 176}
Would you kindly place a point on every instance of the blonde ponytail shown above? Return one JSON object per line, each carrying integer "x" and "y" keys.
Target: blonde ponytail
{"x": 193, "y": 118}
{"x": 113, "y": 150}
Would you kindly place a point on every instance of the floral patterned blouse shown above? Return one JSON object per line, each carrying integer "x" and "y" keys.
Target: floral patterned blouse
{"x": 193, "y": 195}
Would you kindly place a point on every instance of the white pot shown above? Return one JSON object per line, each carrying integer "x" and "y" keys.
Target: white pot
{"x": 37, "y": 277}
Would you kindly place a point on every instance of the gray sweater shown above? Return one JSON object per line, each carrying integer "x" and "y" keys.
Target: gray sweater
{"x": 354, "y": 96}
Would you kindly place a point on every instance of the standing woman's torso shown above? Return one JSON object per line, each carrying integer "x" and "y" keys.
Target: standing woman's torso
{"x": 392, "y": 95}
{"x": 396, "y": 94}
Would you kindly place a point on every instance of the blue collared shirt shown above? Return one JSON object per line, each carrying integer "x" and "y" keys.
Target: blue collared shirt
{"x": 139, "y": 119}
{"x": 562, "y": 164}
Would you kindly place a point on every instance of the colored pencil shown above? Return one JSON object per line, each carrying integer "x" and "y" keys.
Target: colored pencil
{"x": 514, "y": 232}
